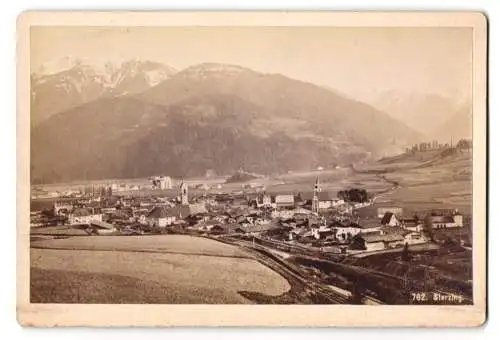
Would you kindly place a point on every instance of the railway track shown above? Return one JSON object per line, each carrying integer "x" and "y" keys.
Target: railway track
{"x": 319, "y": 290}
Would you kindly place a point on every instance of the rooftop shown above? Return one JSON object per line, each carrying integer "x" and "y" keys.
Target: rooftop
{"x": 375, "y": 237}
{"x": 164, "y": 212}
{"x": 84, "y": 212}
{"x": 387, "y": 218}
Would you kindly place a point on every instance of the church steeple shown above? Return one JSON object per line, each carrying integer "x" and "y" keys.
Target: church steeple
{"x": 184, "y": 193}
{"x": 315, "y": 200}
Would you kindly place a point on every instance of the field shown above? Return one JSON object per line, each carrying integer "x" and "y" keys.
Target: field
{"x": 445, "y": 195}
{"x": 146, "y": 269}
{"x": 330, "y": 180}
{"x": 429, "y": 180}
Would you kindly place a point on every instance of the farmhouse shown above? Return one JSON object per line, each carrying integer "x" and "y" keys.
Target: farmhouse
{"x": 454, "y": 220}
{"x": 411, "y": 224}
{"x": 377, "y": 241}
{"x": 285, "y": 201}
{"x": 390, "y": 219}
{"x": 345, "y": 231}
{"x": 164, "y": 216}
{"x": 84, "y": 216}
{"x": 414, "y": 238}
{"x": 62, "y": 207}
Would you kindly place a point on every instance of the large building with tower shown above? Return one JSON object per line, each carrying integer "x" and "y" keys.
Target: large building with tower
{"x": 184, "y": 193}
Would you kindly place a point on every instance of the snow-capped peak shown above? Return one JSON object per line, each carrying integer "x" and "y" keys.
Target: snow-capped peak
{"x": 206, "y": 69}
{"x": 56, "y": 66}
{"x": 109, "y": 73}
{"x": 98, "y": 66}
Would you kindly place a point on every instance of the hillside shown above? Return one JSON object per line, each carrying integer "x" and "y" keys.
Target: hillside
{"x": 303, "y": 105}
{"x": 212, "y": 116}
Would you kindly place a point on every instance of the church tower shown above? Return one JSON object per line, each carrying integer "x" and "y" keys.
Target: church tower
{"x": 184, "y": 193}
{"x": 315, "y": 199}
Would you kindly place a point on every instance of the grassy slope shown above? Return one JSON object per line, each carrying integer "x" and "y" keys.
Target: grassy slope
{"x": 430, "y": 180}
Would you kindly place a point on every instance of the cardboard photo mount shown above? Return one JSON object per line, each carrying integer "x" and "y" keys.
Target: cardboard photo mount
{"x": 47, "y": 315}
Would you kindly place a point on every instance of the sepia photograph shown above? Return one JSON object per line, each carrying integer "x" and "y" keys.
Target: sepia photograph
{"x": 205, "y": 162}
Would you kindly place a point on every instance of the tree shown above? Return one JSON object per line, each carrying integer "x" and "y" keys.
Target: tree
{"x": 110, "y": 191}
{"x": 428, "y": 227}
{"x": 349, "y": 236}
{"x": 353, "y": 195}
{"x": 357, "y": 243}
{"x": 405, "y": 255}
{"x": 358, "y": 292}
{"x": 464, "y": 144}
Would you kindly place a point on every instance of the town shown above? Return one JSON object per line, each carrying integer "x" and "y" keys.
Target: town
{"x": 316, "y": 219}
{"x": 330, "y": 222}
{"x": 344, "y": 227}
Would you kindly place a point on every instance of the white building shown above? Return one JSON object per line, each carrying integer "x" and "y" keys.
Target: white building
{"x": 84, "y": 216}
{"x": 447, "y": 221}
{"x": 374, "y": 241}
{"x": 285, "y": 201}
{"x": 415, "y": 238}
{"x": 62, "y": 208}
{"x": 390, "y": 219}
{"x": 165, "y": 182}
{"x": 344, "y": 232}
{"x": 265, "y": 201}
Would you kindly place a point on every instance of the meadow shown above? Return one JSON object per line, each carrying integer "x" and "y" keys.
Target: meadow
{"x": 429, "y": 180}
{"x": 181, "y": 244}
{"x": 146, "y": 269}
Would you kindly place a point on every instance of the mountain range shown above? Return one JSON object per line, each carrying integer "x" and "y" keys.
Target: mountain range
{"x": 72, "y": 82}
{"x": 143, "y": 118}
{"x": 434, "y": 116}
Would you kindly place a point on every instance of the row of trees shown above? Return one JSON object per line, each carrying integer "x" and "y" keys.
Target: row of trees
{"x": 424, "y": 146}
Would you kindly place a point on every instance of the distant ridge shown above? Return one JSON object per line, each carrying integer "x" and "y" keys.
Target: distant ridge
{"x": 212, "y": 116}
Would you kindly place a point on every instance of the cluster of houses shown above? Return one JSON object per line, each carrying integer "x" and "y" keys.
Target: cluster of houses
{"x": 84, "y": 191}
{"x": 315, "y": 219}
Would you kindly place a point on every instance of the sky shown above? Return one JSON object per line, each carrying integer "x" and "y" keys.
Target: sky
{"x": 359, "y": 62}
